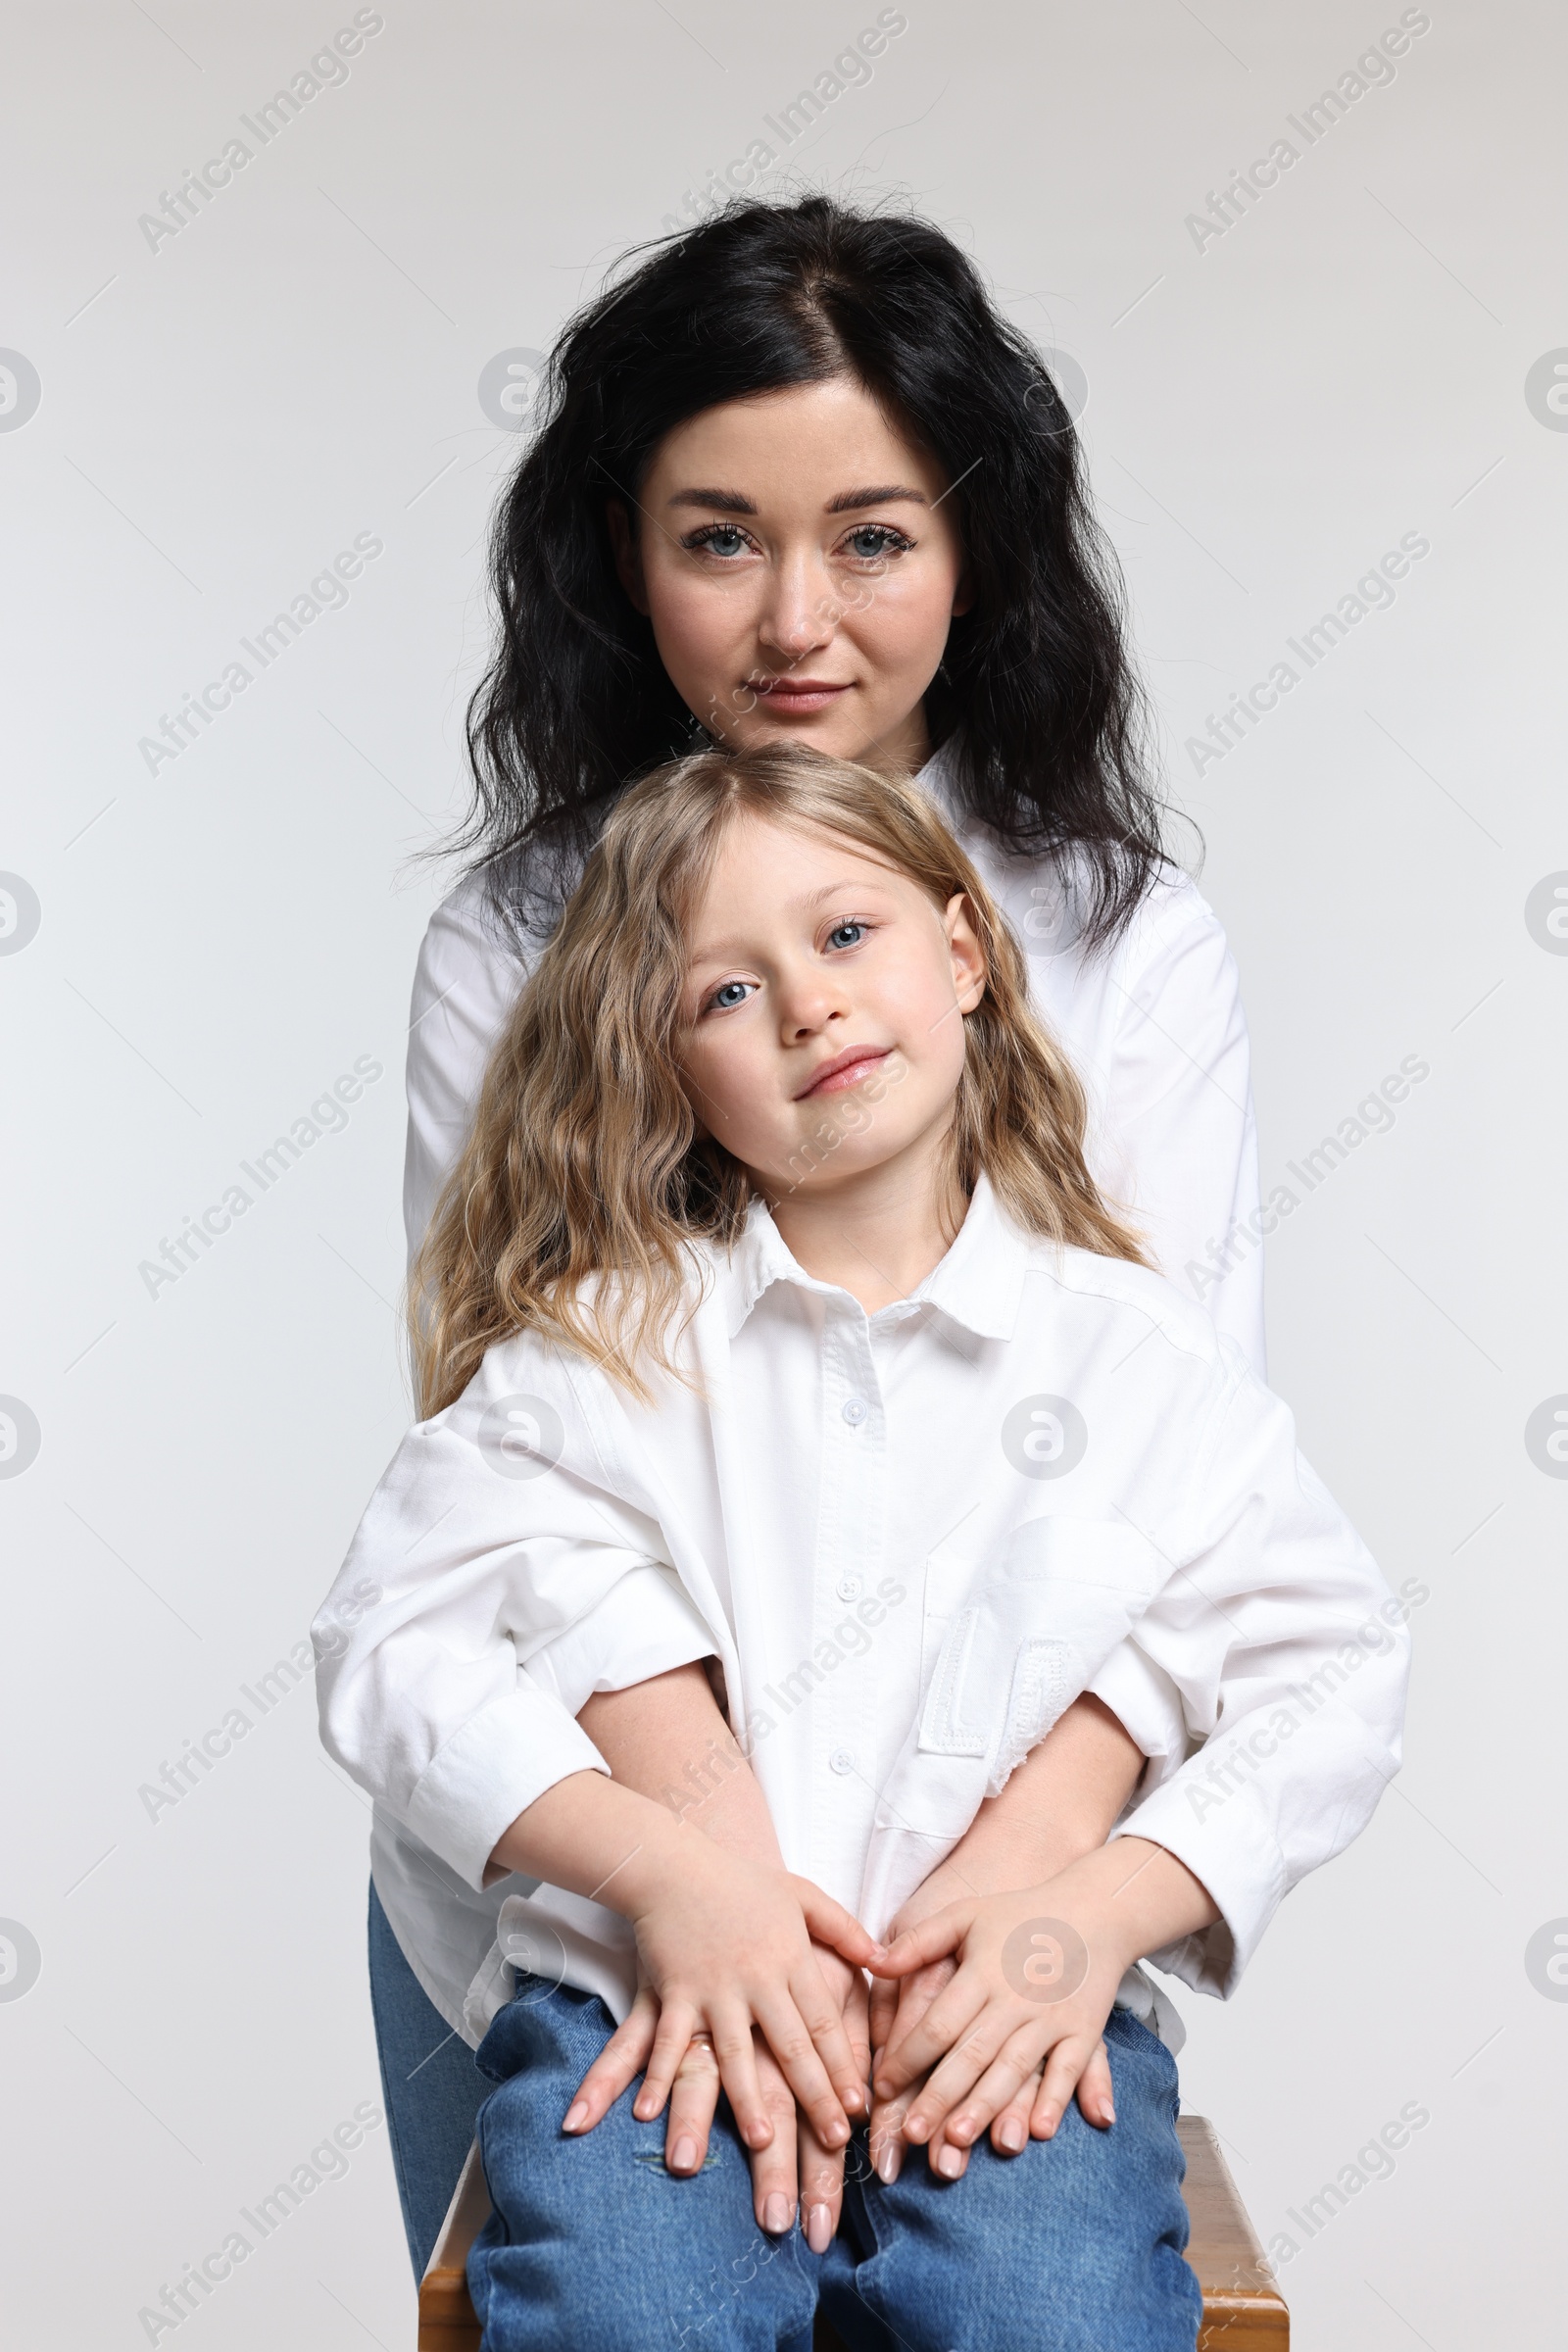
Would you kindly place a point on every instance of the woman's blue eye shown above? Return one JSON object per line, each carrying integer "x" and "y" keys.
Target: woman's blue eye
{"x": 841, "y": 937}
{"x": 721, "y": 539}
{"x": 874, "y": 539}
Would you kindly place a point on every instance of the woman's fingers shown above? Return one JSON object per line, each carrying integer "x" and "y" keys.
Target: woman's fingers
{"x": 678, "y": 2021}
{"x": 693, "y": 2098}
{"x": 737, "y": 2065}
{"x": 1009, "y": 2133}
{"x": 775, "y": 2186}
{"x": 618, "y": 2065}
{"x": 1096, "y": 2097}
{"x": 822, "y": 2189}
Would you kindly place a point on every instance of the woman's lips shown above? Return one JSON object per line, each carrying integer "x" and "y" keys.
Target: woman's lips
{"x": 797, "y": 695}
{"x": 844, "y": 1070}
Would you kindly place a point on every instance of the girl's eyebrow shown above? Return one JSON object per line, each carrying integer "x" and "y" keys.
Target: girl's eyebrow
{"x": 723, "y": 951}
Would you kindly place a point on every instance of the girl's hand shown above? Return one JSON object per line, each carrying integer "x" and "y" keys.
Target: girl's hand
{"x": 726, "y": 1945}
{"x": 1015, "y": 2031}
{"x": 794, "y": 2168}
{"x": 897, "y": 2007}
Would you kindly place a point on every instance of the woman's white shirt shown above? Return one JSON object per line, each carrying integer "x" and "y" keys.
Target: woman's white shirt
{"x": 912, "y": 1539}
{"x": 1153, "y": 1024}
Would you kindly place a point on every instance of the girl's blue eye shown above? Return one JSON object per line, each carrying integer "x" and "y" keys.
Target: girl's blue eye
{"x": 729, "y": 995}
{"x": 839, "y": 934}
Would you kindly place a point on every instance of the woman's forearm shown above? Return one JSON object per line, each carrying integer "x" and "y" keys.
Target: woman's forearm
{"x": 667, "y": 1739}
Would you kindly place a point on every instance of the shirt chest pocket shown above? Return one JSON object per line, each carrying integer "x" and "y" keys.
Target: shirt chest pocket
{"x": 1008, "y": 1641}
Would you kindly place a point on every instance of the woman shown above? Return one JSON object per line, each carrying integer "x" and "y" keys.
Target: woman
{"x": 798, "y": 479}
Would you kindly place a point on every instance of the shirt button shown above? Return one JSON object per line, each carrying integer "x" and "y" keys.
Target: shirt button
{"x": 841, "y": 1760}
{"x": 854, "y": 1411}
{"x": 849, "y": 1588}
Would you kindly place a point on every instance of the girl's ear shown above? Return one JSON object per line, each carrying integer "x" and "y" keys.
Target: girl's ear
{"x": 969, "y": 957}
{"x": 627, "y": 554}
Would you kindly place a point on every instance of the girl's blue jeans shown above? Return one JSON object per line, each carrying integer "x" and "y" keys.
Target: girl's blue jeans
{"x": 1075, "y": 2245}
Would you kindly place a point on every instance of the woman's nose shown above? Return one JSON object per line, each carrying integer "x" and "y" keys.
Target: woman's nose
{"x": 799, "y": 615}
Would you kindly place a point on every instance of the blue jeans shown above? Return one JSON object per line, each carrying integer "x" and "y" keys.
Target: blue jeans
{"x": 1075, "y": 2245}
{"x": 432, "y": 2088}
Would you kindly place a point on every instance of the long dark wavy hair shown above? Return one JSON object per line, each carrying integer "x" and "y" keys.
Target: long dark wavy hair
{"x": 1034, "y": 684}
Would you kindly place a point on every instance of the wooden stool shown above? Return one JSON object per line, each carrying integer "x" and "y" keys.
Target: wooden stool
{"x": 1244, "y": 2310}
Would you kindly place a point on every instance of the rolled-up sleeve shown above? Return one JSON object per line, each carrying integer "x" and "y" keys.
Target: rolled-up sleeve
{"x": 460, "y": 1575}
{"x": 1289, "y": 1657}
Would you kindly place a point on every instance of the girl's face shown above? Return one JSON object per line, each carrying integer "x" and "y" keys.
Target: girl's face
{"x": 800, "y": 561}
{"x": 823, "y": 1011}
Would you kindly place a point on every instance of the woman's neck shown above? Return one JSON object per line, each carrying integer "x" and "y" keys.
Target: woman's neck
{"x": 879, "y": 1232}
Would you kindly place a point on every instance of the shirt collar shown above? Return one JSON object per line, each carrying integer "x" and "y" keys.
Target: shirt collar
{"x": 978, "y": 1284}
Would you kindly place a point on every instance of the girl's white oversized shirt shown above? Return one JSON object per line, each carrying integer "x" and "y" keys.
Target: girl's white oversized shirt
{"x": 912, "y": 1539}
{"x": 1154, "y": 1025}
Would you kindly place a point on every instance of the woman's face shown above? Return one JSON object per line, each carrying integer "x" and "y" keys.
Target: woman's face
{"x": 800, "y": 561}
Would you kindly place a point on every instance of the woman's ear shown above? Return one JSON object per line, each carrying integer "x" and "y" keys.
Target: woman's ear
{"x": 969, "y": 957}
{"x": 963, "y": 595}
{"x": 627, "y": 554}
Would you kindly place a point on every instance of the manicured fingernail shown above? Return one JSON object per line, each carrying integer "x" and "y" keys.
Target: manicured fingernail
{"x": 577, "y": 2115}
{"x": 1110, "y": 2113}
{"x": 889, "y": 2161}
{"x": 777, "y": 2213}
{"x": 819, "y": 2229}
{"x": 1012, "y": 2134}
{"x": 683, "y": 2155}
{"x": 948, "y": 2163}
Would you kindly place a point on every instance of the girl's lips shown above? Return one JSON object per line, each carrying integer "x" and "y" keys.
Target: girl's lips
{"x": 844, "y": 1070}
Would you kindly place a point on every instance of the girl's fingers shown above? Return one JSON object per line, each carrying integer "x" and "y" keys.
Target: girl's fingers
{"x": 824, "y": 2022}
{"x": 737, "y": 2065}
{"x": 970, "y": 2054}
{"x": 677, "y": 2022}
{"x": 830, "y": 1924}
{"x": 1064, "y": 2068}
{"x": 932, "y": 1939}
{"x": 884, "y": 2008}
{"x": 1096, "y": 2097}
{"x": 774, "y": 2174}
{"x": 948, "y": 2018}
{"x": 1015, "y": 2065}
{"x": 822, "y": 2189}
{"x": 618, "y": 2065}
{"x": 794, "y": 2046}
{"x": 693, "y": 2099}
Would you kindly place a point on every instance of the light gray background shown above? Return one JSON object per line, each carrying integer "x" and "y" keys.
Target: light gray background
{"x": 221, "y": 940}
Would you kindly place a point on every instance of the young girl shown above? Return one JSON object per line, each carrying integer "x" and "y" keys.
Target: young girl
{"x": 772, "y": 1315}
{"x": 795, "y": 478}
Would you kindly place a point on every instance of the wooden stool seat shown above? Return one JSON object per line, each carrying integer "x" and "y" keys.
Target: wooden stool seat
{"x": 1244, "y": 2310}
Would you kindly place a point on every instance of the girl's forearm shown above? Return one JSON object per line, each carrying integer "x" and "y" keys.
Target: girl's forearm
{"x": 667, "y": 1739}
{"x": 592, "y": 1836}
{"x": 1062, "y": 1801}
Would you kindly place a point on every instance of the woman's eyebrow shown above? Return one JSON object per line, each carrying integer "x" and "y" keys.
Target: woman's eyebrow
{"x": 730, "y": 502}
{"x": 848, "y": 501}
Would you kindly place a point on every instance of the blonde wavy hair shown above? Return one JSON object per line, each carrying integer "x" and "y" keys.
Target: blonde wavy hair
{"x": 586, "y": 1178}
